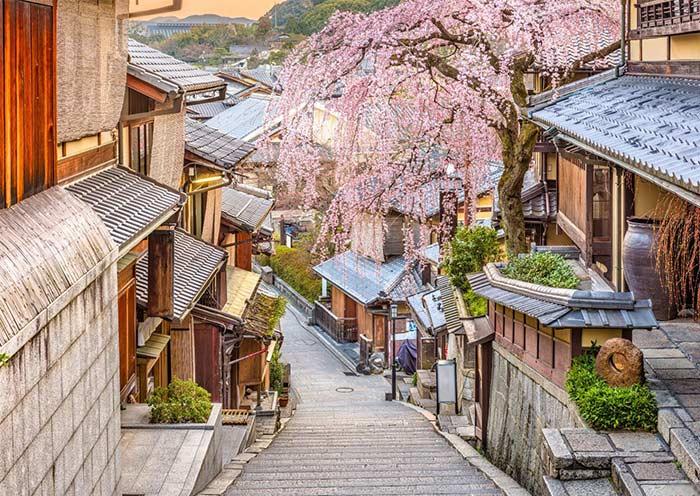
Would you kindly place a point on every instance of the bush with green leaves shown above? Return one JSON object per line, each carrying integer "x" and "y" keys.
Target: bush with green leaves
{"x": 180, "y": 402}
{"x": 470, "y": 249}
{"x": 604, "y": 407}
{"x": 545, "y": 268}
{"x": 276, "y": 370}
{"x": 294, "y": 266}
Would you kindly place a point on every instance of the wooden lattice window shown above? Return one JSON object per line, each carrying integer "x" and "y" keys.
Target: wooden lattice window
{"x": 141, "y": 137}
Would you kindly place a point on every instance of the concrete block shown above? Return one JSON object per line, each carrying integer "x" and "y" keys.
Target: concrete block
{"x": 15, "y": 482}
{"x": 684, "y": 444}
{"x": 91, "y": 428}
{"x": 59, "y": 337}
{"x": 73, "y": 454}
{"x": 39, "y": 456}
{"x": 636, "y": 441}
{"x": 586, "y": 440}
{"x": 667, "y": 420}
{"x": 35, "y": 358}
{"x": 99, "y": 454}
{"x": 556, "y": 450}
{"x": 106, "y": 405}
{"x": 51, "y": 393}
{"x": 80, "y": 406}
{"x": 670, "y": 489}
{"x": 62, "y": 426}
{"x": 72, "y": 366}
{"x": 6, "y": 455}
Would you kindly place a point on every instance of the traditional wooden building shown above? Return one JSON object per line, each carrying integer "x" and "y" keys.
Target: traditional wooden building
{"x": 246, "y": 224}
{"x": 610, "y": 175}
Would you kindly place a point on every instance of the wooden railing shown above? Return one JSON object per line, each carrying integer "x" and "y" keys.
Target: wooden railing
{"x": 342, "y": 330}
{"x": 662, "y": 13}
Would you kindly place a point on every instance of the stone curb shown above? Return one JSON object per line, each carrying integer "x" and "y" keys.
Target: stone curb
{"x": 502, "y": 480}
{"x": 231, "y": 470}
{"x": 345, "y": 361}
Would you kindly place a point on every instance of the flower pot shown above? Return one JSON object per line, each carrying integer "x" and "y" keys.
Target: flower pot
{"x": 283, "y": 400}
{"x": 639, "y": 259}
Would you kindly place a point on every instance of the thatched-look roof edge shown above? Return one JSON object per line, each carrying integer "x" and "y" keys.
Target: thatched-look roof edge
{"x": 53, "y": 247}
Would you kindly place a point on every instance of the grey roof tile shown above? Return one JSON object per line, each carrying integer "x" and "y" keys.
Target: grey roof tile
{"x": 449, "y": 304}
{"x": 196, "y": 263}
{"x": 244, "y": 118}
{"x": 171, "y": 69}
{"x": 214, "y": 146}
{"x": 246, "y": 208}
{"x": 651, "y": 123}
{"x": 208, "y": 110}
{"x": 364, "y": 279}
{"x": 127, "y": 202}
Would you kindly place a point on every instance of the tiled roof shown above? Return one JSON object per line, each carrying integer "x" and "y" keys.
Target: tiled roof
{"x": 650, "y": 124}
{"x": 448, "y": 299}
{"x": 240, "y": 288}
{"x": 169, "y": 68}
{"x": 364, "y": 279}
{"x": 207, "y": 110}
{"x": 566, "y": 308}
{"x": 431, "y": 253}
{"x": 196, "y": 263}
{"x": 244, "y": 209}
{"x": 214, "y": 146}
{"x": 427, "y": 307}
{"x": 266, "y": 77}
{"x": 539, "y": 204}
{"x": 127, "y": 203}
{"x": 244, "y": 119}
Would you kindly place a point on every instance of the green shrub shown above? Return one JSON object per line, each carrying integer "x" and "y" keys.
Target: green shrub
{"x": 604, "y": 407}
{"x": 477, "y": 305}
{"x": 180, "y": 402}
{"x": 276, "y": 370}
{"x": 263, "y": 259}
{"x": 548, "y": 269}
{"x": 294, "y": 266}
{"x": 470, "y": 249}
{"x": 4, "y": 358}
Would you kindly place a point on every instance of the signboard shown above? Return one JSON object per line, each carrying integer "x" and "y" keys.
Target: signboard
{"x": 446, "y": 381}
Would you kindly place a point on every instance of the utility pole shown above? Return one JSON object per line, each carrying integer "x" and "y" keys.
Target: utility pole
{"x": 394, "y": 362}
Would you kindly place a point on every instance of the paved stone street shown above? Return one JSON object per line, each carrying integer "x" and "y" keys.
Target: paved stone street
{"x": 346, "y": 439}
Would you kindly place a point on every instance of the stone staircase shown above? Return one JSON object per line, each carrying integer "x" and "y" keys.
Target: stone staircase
{"x": 424, "y": 393}
{"x": 582, "y": 461}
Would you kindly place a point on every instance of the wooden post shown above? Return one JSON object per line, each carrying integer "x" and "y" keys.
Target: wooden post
{"x": 161, "y": 272}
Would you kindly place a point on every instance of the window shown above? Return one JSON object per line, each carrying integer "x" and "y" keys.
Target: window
{"x": 141, "y": 141}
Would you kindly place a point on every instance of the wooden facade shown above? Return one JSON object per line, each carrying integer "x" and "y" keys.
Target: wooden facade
{"x": 127, "y": 330}
{"x": 28, "y": 101}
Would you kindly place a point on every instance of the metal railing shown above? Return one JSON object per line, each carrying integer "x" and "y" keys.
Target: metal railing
{"x": 341, "y": 329}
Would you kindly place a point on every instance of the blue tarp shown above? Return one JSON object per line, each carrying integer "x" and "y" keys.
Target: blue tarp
{"x": 407, "y": 356}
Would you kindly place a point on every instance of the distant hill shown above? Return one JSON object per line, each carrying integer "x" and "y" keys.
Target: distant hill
{"x": 202, "y": 19}
{"x": 309, "y": 16}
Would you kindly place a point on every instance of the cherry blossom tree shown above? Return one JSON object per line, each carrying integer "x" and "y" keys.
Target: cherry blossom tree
{"x": 428, "y": 91}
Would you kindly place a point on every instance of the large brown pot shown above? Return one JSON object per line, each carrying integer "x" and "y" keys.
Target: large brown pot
{"x": 639, "y": 259}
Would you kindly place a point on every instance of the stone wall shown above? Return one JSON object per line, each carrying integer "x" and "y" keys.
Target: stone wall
{"x": 168, "y": 153}
{"x": 59, "y": 406}
{"x": 91, "y": 63}
{"x": 522, "y": 403}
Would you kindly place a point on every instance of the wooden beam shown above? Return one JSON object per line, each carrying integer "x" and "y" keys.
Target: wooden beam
{"x": 83, "y": 163}
{"x": 146, "y": 89}
{"x": 161, "y": 272}
{"x": 670, "y": 68}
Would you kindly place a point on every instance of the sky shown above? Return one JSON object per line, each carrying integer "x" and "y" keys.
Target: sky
{"x": 252, "y": 9}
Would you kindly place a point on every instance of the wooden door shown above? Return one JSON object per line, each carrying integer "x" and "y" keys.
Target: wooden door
{"x": 244, "y": 250}
{"x": 207, "y": 345}
{"x": 27, "y": 99}
{"x": 127, "y": 331}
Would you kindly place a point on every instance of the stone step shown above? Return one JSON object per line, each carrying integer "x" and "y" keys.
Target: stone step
{"x": 313, "y": 472}
{"x": 423, "y": 490}
{"x": 426, "y": 383}
{"x": 651, "y": 479}
{"x": 359, "y": 480}
{"x": 590, "y": 487}
{"x": 685, "y": 446}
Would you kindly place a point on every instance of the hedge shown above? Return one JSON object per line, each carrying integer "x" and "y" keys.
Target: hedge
{"x": 294, "y": 266}
{"x": 604, "y": 407}
{"x": 548, "y": 269}
{"x": 180, "y": 402}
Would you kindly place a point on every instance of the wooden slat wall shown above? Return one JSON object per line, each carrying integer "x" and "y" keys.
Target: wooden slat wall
{"x": 182, "y": 350}
{"x": 28, "y": 130}
{"x": 572, "y": 192}
{"x": 244, "y": 250}
{"x": 208, "y": 359}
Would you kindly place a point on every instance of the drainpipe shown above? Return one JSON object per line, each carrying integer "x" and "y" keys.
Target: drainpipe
{"x": 623, "y": 33}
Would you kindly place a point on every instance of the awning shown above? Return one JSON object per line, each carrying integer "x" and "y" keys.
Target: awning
{"x": 240, "y": 288}
{"x": 215, "y": 147}
{"x": 646, "y": 124}
{"x": 153, "y": 347}
{"x": 130, "y": 205}
{"x": 246, "y": 208}
{"x": 259, "y": 318}
{"x": 196, "y": 264}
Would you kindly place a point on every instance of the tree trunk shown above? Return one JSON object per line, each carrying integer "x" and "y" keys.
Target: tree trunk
{"x": 518, "y": 146}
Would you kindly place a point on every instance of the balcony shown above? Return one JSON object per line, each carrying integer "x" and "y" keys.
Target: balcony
{"x": 342, "y": 330}
{"x": 666, "y": 17}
